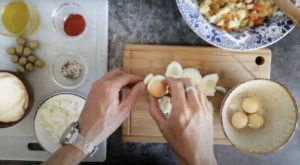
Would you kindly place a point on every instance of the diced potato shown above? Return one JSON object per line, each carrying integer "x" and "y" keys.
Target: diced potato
{"x": 204, "y": 8}
{"x": 241, "y": 14}
{"x": 248, "y": 1}
{"x": 261, "y": 2}
{"x": 231, "y": 5}
{"x": 207, "y": 15}
{"x": 270, "y": 11}
{"x": 215, "y": 8}
{"x": 220, "y": 23}
{"x": 267, "y": 4}
{"x": 255, "y": 1}
{"x": 250, "y": 6}
{"x": 254, "y": 12}
{"x": 224, "y": 10}
{"x": 239, "y": 5}
{"x": 263, "y": 14}
{"x": 233, "y": 24}
{"x": 245, "y": 22}
{"x": 251, "y": 23}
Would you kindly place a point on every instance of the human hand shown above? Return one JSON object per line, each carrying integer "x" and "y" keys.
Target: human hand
{"x": 189, "y": 129}
{"x": 103, "y": 112}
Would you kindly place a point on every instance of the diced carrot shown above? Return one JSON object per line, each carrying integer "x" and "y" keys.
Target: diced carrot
{"x": 229, "y": 17}
{"x": 211, "y": 12}
{"x": 222, "y": 27}
{"x": 253, "y": 16}
{"x": 259, "y": 21}
{"x": 260, "y": 8}
{"x": 228, "y": 29}
{"x": 232, "y": 1}
{"x": 214, "y": 2}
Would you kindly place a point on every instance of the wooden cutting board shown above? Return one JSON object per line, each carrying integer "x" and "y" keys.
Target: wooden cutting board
{"x": 232, "y": 67}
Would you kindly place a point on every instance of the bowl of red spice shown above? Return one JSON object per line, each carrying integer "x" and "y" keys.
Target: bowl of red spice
{"x": 69, "y": 20}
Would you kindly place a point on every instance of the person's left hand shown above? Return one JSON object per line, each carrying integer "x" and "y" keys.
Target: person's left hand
{"x": 103, "y": 112}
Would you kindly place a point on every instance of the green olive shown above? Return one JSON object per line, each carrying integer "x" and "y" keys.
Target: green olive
{"x": 32, "y": 58}
{"x": 23, "y": 61}
{"x": 20, "y": 69}
{"x": 33, "y": 45}
{"x": 21, "y": 41}
{"x": 19, "y": 49}
{"x": 14, "y": 58}
{"x": 29, "y": 67}
{"x": 27, "y": 51}
{"x": 39, "y": 64}
{"x": 11, "y": 51}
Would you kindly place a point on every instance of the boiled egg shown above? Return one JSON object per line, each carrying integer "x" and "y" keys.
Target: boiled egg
{"x": 155, "y": 86}
{"x": 193, "y": 74}
{"x": 174, "y": 69}
{"x": 239, "y": 120}
{"x": 255, "y": 121}
{"x": 250, "y": 105}
{"x": 208, "y": 84}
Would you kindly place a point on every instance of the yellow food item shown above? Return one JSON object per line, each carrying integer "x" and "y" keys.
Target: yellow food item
{"x": 19, "y": 49}
{"x": 255, "y": 121}
{"x": 250, "y": 105}
{"x": 34, "y": 45}
{"x": 21, "y": 41}
{"x": 39, "y": 63}
{"x": 23, "y": 61}
{"x": 239, "y": 120}
{"x": 20, "y": 69}
{"x": 11, "y": 51}
{"x": 27, "y": 51}
{"x": 15, "y": 17}
{"x": 157, "y": 89}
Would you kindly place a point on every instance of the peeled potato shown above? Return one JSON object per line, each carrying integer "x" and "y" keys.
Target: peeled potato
{"x": 250, "y": 105}
{"x": 255, "y": 121}
{"x": 157, "y": 89}
{"x": 239, "y": 120}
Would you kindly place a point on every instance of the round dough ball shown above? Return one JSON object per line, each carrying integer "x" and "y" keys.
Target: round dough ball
{"x": 157, "y": 89}
{"x": 14, "y": 58}
{"x": 27, "y": 51}
{"x": 239, "y": 120}
{"x": 255, "y": 121}
{"x": 21, "y": 41}
{"x": 23, "y": 61}
{"x": 250, "y": 105}
{"x": 34, "y": 45}
{"x": 20, "y": 69}
{"x": 29, "y": 67}
{"x": 39, "y": 63}
{"x": 32, "y": 59}
{"x": 11, "y": 51}
{"x": 19, "y": 49}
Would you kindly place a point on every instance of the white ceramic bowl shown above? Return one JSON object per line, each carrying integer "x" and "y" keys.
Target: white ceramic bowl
{"x": 46, "y": 143}
{"x": 278, "y": 108}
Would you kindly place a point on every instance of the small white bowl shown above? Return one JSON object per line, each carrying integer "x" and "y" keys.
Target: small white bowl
{"x": 278, "y": 108}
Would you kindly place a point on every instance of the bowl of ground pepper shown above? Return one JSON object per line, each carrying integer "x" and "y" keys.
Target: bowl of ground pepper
{"x": 69, "y": 70}
{"x": 69, "y": 20}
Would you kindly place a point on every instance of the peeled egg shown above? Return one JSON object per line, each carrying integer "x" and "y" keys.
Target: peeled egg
{"x": 157, "y": 89}
{"x": 165, "y": 104}
{"x": 255, "y": 121}
{"x": 208, "y": 84}
{"x": 174, "y": 69}
{"x": 153, "y": 79}
{"x": 239, "y": 120}
{"x": 148, "y": 78}
{"x": 193, "y": 74}
{"x": 250, "y": 105}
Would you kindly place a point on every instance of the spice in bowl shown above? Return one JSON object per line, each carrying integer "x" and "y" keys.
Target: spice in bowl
{"x": 74, "y": 25}
{"x": 71, "y": 70}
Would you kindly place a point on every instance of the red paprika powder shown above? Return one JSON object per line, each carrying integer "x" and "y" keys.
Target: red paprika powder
{"x": 74, "y": 25}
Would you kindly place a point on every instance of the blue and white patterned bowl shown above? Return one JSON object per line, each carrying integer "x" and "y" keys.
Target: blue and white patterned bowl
{"x": 274, "y": 28}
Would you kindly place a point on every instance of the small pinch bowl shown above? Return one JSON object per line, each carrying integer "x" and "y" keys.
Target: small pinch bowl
{"x": 278, "y": 108}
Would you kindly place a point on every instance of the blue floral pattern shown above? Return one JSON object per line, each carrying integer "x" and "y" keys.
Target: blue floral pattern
{"x": 274, "y": 28}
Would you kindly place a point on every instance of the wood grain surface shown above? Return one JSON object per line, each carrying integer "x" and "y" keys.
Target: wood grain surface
{"x": 232, "y": 67}
{"x": 30, "y": 97}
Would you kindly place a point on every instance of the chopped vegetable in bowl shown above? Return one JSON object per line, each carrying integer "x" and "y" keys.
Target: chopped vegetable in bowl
{"x": 234, "y": 15}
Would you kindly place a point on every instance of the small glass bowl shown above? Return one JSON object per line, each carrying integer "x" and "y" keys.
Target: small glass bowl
{"x": 60, "y": 79}
{"x": 60, "y": 15}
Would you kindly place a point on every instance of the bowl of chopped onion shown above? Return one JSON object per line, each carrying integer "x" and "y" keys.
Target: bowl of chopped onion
{"x": 240, "y": 25}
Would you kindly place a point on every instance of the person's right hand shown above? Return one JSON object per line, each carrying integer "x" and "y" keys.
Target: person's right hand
{"x": 189, "y": 129}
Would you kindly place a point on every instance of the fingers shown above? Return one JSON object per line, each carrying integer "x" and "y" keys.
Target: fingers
{"x": 203, "y": 99}
{"x": 155, "y": 111}
{"x": 177, "y": 90}
{"x": 132, "y": 97}
{"x": 112, "y": 74}
{"x": 192, "y": 96}
{"x": 125, "y": 79}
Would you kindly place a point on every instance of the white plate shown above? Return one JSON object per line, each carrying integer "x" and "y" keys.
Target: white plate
{"x": 46, "y": 143}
